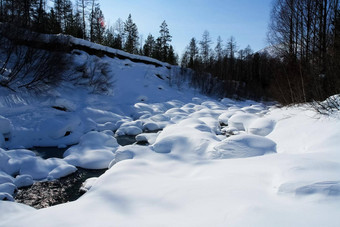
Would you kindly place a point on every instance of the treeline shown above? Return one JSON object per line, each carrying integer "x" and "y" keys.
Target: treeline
{"x": 301, "y": 65}
{"x": 306, "y": 34}
{"x": 84, "y": 19}
{"x": 226, "y": 70}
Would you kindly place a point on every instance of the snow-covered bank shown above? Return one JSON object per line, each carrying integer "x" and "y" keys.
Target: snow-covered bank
{"x": 207, "y": 162}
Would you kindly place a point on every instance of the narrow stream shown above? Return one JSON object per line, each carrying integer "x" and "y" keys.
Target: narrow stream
{"x": 66, "y": 189}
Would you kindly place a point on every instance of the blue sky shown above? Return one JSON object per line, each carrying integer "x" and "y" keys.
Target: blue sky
{"x": 246, "y": 20}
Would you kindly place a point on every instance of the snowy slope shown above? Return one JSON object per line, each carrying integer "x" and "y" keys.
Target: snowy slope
{"x": 216, "y": 163}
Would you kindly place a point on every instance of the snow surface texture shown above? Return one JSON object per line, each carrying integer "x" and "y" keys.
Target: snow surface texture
{"x": 207, "y": 162}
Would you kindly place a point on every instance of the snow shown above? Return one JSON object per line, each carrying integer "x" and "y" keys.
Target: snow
{"x": 94, "y": 151}
{"x": 242, "y": 146}
{"x": 211, "y": 163}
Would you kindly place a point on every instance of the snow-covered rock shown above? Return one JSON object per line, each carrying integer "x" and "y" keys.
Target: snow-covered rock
{"x": 261, "y": 126}
{"x": 241, "y": 121}
{"x": 23, "y": 180}
{"x": 94, "y": 151}
{"x": 243, "y": 146}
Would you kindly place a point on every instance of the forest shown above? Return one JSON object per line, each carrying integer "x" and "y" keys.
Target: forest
{"x": 301, "y": 63}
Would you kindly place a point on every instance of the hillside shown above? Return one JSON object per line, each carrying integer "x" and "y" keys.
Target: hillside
{"x": 203, "y": 161}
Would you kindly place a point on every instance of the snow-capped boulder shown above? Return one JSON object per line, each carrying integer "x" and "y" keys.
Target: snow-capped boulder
{"x": 243, "y": 146}
{"x": 9, "y": 188}
{"x": 261, "y": 126}
{"x": 61, "y": 171}
{"x": 23, "y": 181}
{"x": 94, "y": 151}
{"x": 241, "y": 121}
{"x": 122, "y": 154}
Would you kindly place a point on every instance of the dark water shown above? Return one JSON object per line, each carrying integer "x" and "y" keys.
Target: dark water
{"x": 126, "y": 140}
{"x": 63, "y": 190}
{"x": 51, "y": 193}
{"x": 49, "y": 152}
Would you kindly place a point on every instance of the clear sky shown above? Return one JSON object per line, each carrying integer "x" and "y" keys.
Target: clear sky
{"x": 246, "y": 20}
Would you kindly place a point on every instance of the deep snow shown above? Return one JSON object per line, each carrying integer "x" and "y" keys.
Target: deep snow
{"x": 208, "y": 162}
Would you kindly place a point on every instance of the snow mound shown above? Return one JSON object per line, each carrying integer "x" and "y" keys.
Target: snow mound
{"x": 121, "y": 154}
{"x": 5, "y": 178}
{"x": 8, "y": 188}
{"x": 94, "y": 151}
{"x": 87, "y": 185}
{"x": 41, "y": 169}
{"x": 58, "y": 127}
{"x": 190, "y": 137}
{"x": 128, "y": 130}
{"x": 241, "y": 121}
{"x": 61, "y": 171}
{"x": 261, "y": 126}
{"x": 327, "y": 188}
{"x": 150, "y": 138}
{"x": 243, "y": 146}
{"x": 23, "y": 181}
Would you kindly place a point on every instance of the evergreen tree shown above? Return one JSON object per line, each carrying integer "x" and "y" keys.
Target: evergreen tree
{"x": 165, "y": 39}
{"x": 131, "y": 43}
{"x": 149, "y": 46}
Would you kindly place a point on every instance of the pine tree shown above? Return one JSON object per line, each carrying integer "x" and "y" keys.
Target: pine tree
{"x": 149, "y": 46}
{"x": 131, "y": 43}
{"x": 165, "y": 39}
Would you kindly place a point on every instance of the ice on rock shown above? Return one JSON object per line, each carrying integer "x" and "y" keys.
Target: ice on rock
{"x": 243, "y": 146}
{"x": 94, "y": 151}
{"x": 23, "y": 181}
{"x": 241, "y": 121}
{"x": 261, "y": 126}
